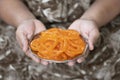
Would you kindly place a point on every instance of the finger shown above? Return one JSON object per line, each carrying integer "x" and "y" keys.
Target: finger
{"x": 71, "y": 63}
{"x": 85, "y": 36}
{"x": 80, "y": 60}
{"x": 32, "y": 56}
{"x": 22, "y": 40}
{"x": 29, "y": 37}
{"x": 91, "y": 47}
{"x": 93, "y": 36}
{"x": 90, "y": 43}
{"x": 44, "y": 62}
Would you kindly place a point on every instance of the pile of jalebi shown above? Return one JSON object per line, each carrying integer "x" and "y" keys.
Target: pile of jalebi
{"x": 58, "y": 44}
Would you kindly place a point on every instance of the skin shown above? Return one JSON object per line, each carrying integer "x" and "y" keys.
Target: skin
{"x": 15, "y": 13}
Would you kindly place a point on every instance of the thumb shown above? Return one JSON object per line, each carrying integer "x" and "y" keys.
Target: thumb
{"x": 39, "y": 26}
{"x": 24, "y": 42}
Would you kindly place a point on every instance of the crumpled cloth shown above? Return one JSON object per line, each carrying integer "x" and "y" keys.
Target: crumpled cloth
{"x": 58, "y": 10}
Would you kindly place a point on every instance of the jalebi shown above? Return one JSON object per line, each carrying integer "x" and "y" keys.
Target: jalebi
{"x": 58, "y": 44}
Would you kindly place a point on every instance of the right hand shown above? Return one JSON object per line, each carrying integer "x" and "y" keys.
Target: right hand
{"x": 25, "y": 32}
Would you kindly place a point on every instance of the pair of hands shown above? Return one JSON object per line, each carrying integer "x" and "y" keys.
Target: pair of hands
{"x": 26, "y": 30}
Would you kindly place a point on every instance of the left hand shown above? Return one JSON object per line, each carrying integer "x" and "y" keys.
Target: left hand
{"x": 89, "y": 30}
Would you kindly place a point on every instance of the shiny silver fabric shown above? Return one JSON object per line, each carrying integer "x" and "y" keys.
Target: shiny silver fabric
{"x": 58, "y": 10}
{"x": 103, "y": 63}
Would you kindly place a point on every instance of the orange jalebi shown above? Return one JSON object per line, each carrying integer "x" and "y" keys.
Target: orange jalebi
{"x": 58, "y": 44}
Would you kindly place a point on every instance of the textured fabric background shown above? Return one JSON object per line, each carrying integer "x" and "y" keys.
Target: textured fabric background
{"x": 101, "y": 64}
{"x": 58, "y": 10}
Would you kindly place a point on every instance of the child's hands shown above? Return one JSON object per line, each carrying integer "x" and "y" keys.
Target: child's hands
{"x": 24, "y": 34}
{"x": 89, "y": 30}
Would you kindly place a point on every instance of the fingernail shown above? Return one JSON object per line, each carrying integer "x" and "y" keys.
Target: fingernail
{"x": 91, "y": 48}
{"x": 44, "y": 63}
{"x": 71, "y": 63}
{"x": 37, "y": 60}
{"x": 79, "y": 60}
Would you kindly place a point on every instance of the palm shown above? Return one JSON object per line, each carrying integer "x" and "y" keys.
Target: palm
{"x": 88, "y": 29}
{"x": 25, "y": 32}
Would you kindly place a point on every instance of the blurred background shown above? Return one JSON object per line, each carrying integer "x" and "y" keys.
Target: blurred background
{"x": 101, "y": 64}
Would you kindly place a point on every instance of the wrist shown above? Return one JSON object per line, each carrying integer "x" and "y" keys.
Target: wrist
{"x": 92, "y": 20}
{"x": 24, "y": 18}
{"x": 25, "y": 21}
{"x": 34, "y": 22}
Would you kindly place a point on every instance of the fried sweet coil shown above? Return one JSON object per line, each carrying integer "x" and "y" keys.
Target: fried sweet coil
{"x": 58, "y": 44}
